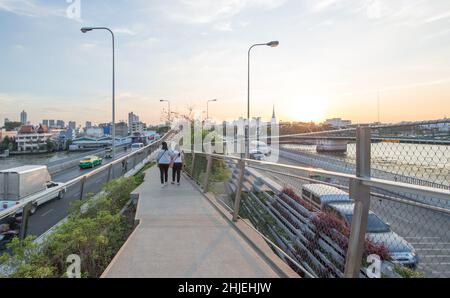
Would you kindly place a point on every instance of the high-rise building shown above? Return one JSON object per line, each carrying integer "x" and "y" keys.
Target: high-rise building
{"x": 6, "y": 120}
{"x": 23, "y": 118}
{"x": 132, "y": 118}
{"x": 51, "y": 123}
{"x": 88, "y": 124}
{"x": 121, "y": 129}
{"x": 60, "y": 123}
{"x": 45, "y": 122}
{"x": 72, "y": 125}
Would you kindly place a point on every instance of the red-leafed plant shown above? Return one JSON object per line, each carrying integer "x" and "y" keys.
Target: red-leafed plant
{"x": 293, "y": 195}
{"x": 329, "y": 223}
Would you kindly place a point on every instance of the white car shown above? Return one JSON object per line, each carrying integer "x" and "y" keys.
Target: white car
{"x": 260, "y": 146}
{"x": 257, "y": 155}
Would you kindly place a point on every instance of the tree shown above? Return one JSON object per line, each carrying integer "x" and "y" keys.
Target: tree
{"x": 10, "y": 126}
{"x": 50, "y": 145}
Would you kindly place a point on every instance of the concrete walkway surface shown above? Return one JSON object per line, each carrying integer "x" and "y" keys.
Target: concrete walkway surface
{"x": 181, "y": 234}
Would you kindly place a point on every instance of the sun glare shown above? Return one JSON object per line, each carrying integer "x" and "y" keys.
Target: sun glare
{"x": 307, "y": 109}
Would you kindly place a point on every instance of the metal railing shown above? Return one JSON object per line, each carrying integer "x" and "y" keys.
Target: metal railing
{"x": 339, "y": 238}
{"x": 77, "y": 188}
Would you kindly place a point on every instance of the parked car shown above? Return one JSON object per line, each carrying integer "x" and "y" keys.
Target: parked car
{"x": 257, "y": 155}
{"x": 319, "y": 194}
{"x": 379, "y": 232}
{"x": 260, "y": 146}
{"x": 28, "y": 183}
{"x": 90, "y": 162}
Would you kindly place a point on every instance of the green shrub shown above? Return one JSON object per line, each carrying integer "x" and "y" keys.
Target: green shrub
{"x": 95, "y": 230}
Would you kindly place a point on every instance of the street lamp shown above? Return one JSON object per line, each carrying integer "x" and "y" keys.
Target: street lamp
{"x": 87, "y": 29}
{"x": 207, "y": 107}
{"x": 168, "y": 102}
{"x": 272, "y": 44}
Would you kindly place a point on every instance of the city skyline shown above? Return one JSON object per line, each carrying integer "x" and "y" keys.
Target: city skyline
{"x": 334, "y": 58}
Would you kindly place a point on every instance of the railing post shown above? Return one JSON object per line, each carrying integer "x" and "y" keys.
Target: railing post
{"x": 109, "y": 171}
{"x": 25, "y": 216}
{"x": 208, "y": 172}
{"x": 237, "y": 199}
{"x": 193, "y": 164}
{"x": 361, "y": 195}
{"x": 83, "y": 180}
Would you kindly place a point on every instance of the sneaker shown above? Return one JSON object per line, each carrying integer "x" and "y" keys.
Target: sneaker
{"x": 178, "y": 183}
{"x": 173, "y": 182}
{"x": 163, "y": 185}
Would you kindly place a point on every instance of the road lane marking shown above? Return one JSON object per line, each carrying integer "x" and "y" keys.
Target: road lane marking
{"x": 427, "y": 243}
{"x": 411, "y": 237}
{"x": 48, "y": 212}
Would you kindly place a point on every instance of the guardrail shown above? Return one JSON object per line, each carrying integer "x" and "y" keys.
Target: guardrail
{"x": 77, "y": 185}
{"x": 341, "y": 238}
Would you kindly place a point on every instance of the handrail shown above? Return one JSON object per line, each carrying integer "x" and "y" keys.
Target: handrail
{"x": 374, "y": 182}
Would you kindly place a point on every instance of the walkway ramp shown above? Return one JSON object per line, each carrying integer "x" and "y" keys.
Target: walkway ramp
{"x": 183, "y": 234}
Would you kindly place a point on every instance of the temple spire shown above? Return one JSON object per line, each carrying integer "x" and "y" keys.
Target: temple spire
{"x": 273, "y": 113}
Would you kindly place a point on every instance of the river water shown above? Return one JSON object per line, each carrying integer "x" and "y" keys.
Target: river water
{"x": 36, "y": 159}
{"x": 424, "y": 161}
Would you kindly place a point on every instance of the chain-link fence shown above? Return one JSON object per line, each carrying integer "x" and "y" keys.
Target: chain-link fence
{"x": 328, "y": 222}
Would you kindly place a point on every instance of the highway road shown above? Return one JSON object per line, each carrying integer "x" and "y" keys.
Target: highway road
{"x": 54, "y": 211}
{"x": 427, "y": 230}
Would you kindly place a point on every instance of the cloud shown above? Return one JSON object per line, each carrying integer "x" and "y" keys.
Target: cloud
{"x": 223, "y": 26}
{"x": 438, "y": 17}
{"x": 30, "y": 8}
{"x": 124, "y": 31}
{"x": 207, "y": 11}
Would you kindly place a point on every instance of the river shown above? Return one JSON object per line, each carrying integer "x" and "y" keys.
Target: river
{"x": 424, "y": 161}
{"x": 36, "y": 159}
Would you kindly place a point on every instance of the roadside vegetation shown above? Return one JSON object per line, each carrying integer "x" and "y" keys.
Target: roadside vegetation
{"x": 95, "y": 230}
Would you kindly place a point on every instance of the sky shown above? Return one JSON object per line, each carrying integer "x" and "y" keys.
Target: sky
{"x": 334, "y": 58}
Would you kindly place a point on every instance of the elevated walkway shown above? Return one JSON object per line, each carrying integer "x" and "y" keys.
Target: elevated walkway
{"x": 184, "y": 234}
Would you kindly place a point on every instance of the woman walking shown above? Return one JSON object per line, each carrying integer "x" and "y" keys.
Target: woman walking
{"x": 177, "y": 158}
{"x": 163, "y": 159}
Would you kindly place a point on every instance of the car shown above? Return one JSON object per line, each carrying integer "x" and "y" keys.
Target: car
{"x": 28, "y": 183}
{"x": 108, "y": 153}
{"x": 379, "y": 232}
{"x": 319, "y": 194}
{"x": 137, "y": 146}
{"x": 260, "y": 146}
{"x": 5, "y": 239}
{"x": 90, "y": 162}
{"x": 257, "y": 155}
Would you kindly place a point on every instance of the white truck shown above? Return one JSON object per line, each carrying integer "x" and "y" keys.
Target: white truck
{"x": 28, "y": 184}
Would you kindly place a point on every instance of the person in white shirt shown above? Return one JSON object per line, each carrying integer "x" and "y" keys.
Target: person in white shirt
{"x": 178, "y": 158}
{"x": 163, "y": 160}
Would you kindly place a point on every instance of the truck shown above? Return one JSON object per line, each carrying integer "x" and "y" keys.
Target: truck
{"x": 28, "y": 184}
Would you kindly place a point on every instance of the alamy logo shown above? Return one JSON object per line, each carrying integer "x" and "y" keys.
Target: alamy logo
{"x": 374, "y": 269}
{"x": 74, "y": 9}
{"x": 74, "y": 269}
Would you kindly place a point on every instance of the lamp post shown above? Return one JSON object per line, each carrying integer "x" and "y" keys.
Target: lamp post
{"x": 168, "y": 102}
{"x": 87, "y": 29}
{"x": 271, "y": 44}
{"x": 207, "y": 107}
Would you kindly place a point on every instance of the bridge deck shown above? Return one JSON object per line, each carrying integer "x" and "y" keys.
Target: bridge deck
{"x": 181, "y": 234}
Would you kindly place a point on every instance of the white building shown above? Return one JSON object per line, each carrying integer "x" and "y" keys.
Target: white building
{"x": 30, "y": 138}
{"x": 96, "y": 132}
{"x": 338, "y": 122}
{"x": 137, "y": 127}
